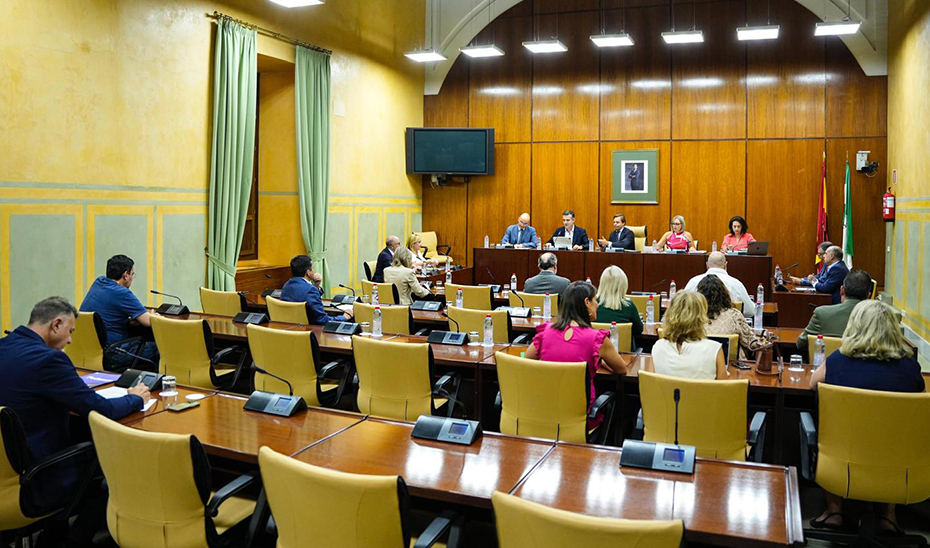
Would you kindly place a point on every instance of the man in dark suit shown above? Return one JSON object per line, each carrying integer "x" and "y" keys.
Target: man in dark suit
{"x": 304, "y": 287}
{"x": 831, "y": 277}
{"x": 636, "y": 178}
{"x": 621, "y": 237}
{"x": 385, "y": 258}
{"x": 576, "y": 233}
{"x": 830, "y": 320}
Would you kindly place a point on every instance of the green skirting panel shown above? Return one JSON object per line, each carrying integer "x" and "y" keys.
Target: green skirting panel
{"x": 183, "y": 261}
{"x": 123, "y": 235}
{"x": 397, "y": 225}
{"x": 369, "y": 242}
{"x": 337, "y": 246}
{"x": 42, "y": 262}
{"x": 913, "y": 265}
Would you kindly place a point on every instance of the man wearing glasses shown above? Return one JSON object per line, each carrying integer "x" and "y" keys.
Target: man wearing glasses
{"x": 109, "y": 296}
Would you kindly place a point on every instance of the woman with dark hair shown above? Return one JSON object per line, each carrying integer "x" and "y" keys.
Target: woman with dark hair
{"x": 726, "y": 320}
{"x": 570, "y": 338}
{"x": 739, "y": 236}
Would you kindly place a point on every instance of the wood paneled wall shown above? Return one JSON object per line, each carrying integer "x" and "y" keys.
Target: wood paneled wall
{"x": 740, "y": 127}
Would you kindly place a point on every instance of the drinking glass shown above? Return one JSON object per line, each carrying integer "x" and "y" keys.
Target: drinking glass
{"x": 473, "y": 338}
{"x": 537, "y": 312}
{"x": 796, "y": 362}
{"x": 366, "y": 327}
{"x": 169, "y": 387}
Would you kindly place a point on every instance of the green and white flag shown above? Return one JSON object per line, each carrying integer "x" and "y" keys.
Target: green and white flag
{"x": 847, "y": 222}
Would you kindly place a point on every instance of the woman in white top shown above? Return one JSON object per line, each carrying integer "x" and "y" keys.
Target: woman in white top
{"x": 415, "y": 245}
{"x": 684, "y": 350}
{"x": 401, "y": 274}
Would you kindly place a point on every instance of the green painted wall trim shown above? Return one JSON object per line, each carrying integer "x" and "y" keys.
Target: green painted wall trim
{"x": 85, "y": 186}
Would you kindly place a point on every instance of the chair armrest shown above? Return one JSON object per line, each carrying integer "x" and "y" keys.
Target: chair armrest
{"x": 498, "y": 402}
{"x": 757, "y": 436}
{"x": 423, "y": 332}
{"x": 639, "y": 428}
{"x": 603, "y": 401}
{"x": 332, "y": 366}
{"x": 80, "y": 459}
{"x": 355, "y": 381}
{"x": 439, "y": 389}
{"x": 66, "y": 454}
{"x": 525, "y": 338}
{"x": 448, "y": 250}
{"x": 228, "y": 490}
{"x": 808, "y": 432}
{"x": 224, "y": 352}
{"x": 447, "y": 523}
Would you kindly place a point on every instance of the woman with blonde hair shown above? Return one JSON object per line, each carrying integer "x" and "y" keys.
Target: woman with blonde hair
{"x": 677, "y": 237}
{"x": 612, "y": 304}
{"x": 401, "y": 274}
{"x": 684, "y": 350}
{"x": 415, "y": 245}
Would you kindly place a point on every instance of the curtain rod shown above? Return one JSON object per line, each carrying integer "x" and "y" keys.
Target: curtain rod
{"x": 273, "y": 34}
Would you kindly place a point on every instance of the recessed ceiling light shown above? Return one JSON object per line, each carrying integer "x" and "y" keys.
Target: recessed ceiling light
{"x": 836, "y": 28}
{"x": 425, "y": 56}
{"x": 768, "y": 32}
{"x": 612, "y": 40}
{"x": 683, "y": 36}
{"x": 545, "y": 46}
{"x": 483, "y": 51}
{"x": 297, "y": 3}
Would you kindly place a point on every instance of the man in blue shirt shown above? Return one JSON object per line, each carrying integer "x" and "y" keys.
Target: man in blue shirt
{"x": 109, "y": 296}
{"x": 521, "y": 234}
{"x": 304, "y": 287}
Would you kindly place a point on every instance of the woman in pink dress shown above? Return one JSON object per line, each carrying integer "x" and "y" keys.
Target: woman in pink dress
{"x": 739, "y": 236}
{"x": 677, "y": 237}
{"x": 570, "y": 338}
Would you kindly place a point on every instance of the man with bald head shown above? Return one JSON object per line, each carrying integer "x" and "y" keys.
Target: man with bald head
{"x": 385, "y": 258}
{"x": 547, "y": 281}
{"x": 717, "y": 265}
{"x": 521, "y": 234}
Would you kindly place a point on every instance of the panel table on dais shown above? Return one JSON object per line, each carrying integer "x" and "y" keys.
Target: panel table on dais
{"x": 752, "y": 270}
{"x": 570, "y": 263}
{"x": 630, "y": 263}
{"x": 659, "y": 269}
{"x": 502, "y": 263}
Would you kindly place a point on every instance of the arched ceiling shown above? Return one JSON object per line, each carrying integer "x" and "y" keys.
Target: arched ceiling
{"x": 459, "y": 21}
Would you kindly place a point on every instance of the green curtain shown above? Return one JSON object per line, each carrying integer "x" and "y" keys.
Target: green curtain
{"x": 311, "y": 86}
{"x": 234, "y": 99}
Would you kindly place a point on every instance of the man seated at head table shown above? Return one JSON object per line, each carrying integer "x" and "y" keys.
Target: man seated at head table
{"x": 40, "y": 384}
{"x": 568, "y": 229}
{"x": 821, "y": 270}
{"x": 521, "y": 234}
{"x": 830, "y": 320}
{"x": 109, "y": 296}
{"x": 305, "y": 287}
{"x": 621, "y": 237}
{"x": 547, "y": 281}
{"x": 717, "y": 265}
{"x": 385, "y": 258}
{"x": 831, "y": 277}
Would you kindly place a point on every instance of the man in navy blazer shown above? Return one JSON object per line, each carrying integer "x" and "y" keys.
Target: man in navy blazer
{"x": 521, "y": 234}
{"x": 622, "y": 237}
{"x": 830, "y": 279}
{"x": 385, "y": 258}
{"x": 576, "y": 233}
{"x": 304, "y": 287}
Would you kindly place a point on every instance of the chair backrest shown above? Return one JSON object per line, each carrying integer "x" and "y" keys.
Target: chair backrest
{"x": 477, "y": 297}
{"x": 829, "y": 344}
{"x": 394, "y": 378}
{"x": 284, "y": 311}
{"x": 639, "y": 237}
{"x": 394, "y": 319}
{"x": 874, "y": 289}
{"x": 430, "y": 242}
{"x": 730, "y": 341}
{"x": 292, "y": 355}
{"x": 473, "y": 320}
{"x": 522, "y": 523}
{"x": 370, "y": 267}
{"x": 535, "y": 299}
{"x": 387, "y": 292}
{"x": 185, "y": 347}
{"x": 88, "y": 341}
{"x": 737, "y": 305}
{"x": 873, "y": 445}
{"x": 624, "y": 332}
{"x": 543, "y": 399}
{"x": 711, "y": 417}
{"x": 335, "y": 509}
{"x": 641, "y": 301}
{"x": 221, "y": 303}
{"x": 158, "y": 485}
{"x": 13, "y": 461}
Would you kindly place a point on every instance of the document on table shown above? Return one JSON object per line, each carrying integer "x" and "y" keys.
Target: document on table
{"x": 117, "y": 392}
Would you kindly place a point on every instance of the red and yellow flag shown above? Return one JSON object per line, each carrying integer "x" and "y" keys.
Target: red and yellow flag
{"x": 822, "y": 208}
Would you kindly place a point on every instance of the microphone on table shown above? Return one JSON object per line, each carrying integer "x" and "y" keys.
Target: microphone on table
{"x": 457, "y": 328}
{"x": 136, "y": 356}
{"x": 349, "y": 288}
{"x": 787, "y": 268}
{"x": 658, "y": 283}
{"x": 168, "y": 309}
{"x": 677, "y": 399}
{"x": 245, "y": 295}
{"x": 290, "y": 388}
{"x": 167, "y": 295}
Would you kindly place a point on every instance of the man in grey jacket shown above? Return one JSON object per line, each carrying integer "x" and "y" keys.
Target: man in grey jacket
{"x": 547, "y": 281}
{"x": 830, "y": 320}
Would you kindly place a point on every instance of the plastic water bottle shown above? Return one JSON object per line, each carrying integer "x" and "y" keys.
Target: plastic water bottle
{"x": 547, "y": 307}
{"x": 487, "y": 241}
{"x": 488, "y": 331}
{"x": 459, "y": 298}
{"x": 757, "y": 318}
{"x": 615, "y": 336}
{"x": 374, "y": 295}
{"x": 655, "y": 244}
{"x": 539, "y": 245}
{"x": 819, "y": 351}
{"x": 376, "y": 322}
{"x": 779, "y": 277}
{"x": 713, "y": 248}
{"x": 513, "y": 282}
{"x": 650, "y": 312}
{"x": 590, "y": 244}
{"x": 448, "y": 271}
{"x": 588, "y": 280}
{"x": 672, "y": 289}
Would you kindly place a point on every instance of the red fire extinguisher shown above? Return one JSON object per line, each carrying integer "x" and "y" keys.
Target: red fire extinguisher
{"x": 888, "y": 205}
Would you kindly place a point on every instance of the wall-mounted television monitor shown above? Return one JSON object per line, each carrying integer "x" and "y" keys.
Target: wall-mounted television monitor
{"x": 450, "y": 151}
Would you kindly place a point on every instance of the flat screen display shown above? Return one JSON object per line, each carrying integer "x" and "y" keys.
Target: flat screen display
{"x": 458, "y": 151}
{"x": 674, "y": 455}
{"x": 282, "y": 404}
{"x": 458, "y": 429}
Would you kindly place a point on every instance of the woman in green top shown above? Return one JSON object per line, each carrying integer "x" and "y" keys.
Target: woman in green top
{"x": 612, "y": 304}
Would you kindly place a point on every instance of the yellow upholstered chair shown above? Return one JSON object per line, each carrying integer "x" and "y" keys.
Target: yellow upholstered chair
{"x": 295, "y": 356}
{"x": 221, "y": 303}
{"x": 473, "y": 320}
{"x": 533, "y": 299}
{"x": 712, "y": 416}
{"x": 641, "y": 300}
{"x": 159, "y": 490}
{"x": 624, "y": 332}
{"x": 869, "y": 445}
{"x": 394, "y": 319}
{"x": 186, "y": 349}
{"x": 340, "y": 510}
{"x": 477, "y": 297}
{"x": 737, "y": 305}
{"x": 88, "y": 341}
{"x": 433, "y": 249}
{"x": 830, "y": 344}
{"x": 549, "y": 400}
{"x": 370, "y": 267}
{"x": 387, "y": 292}
{"x": 284, "y": 311}
{"x": 524, "y": 524}
{"x": 733, "y": 347}
{"x": 395, "y": 380}
{"x": 639, "y": 237}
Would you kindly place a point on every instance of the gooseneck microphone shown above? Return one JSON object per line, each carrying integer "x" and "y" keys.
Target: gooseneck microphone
{"x": 244, "y": 295}
{"x": 457, "y": 328}
{"x": 136, "y": 356}
{"x": 180, "y": 302}
{"x": 290, "y": 388}
{"x": 349, "y": 288}
{"x": 677, "y": 399}
{"x": 658, "y": 283}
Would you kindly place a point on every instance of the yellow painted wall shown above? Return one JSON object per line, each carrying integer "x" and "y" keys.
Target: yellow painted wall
{"x": 908, "y": 146}
{"x": 107, "y": 103}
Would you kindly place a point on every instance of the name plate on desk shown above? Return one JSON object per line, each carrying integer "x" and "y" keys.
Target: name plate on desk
{"x": 446, "y": 429}
{"x": 344, "y": 299}
{"x": 254, "y": 318}
{"x": 447, "y": 337}
{"x": 664, "y": 457}
{"x": 342, "y": 328}
{"x": 275, "y": 404}
{"x": 516, "y": 311}
{"x": 431, "y": 306}
{"x": 172, "y": 310}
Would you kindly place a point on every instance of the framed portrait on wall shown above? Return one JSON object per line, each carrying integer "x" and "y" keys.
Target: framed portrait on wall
{"x": 634, "y": 176}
